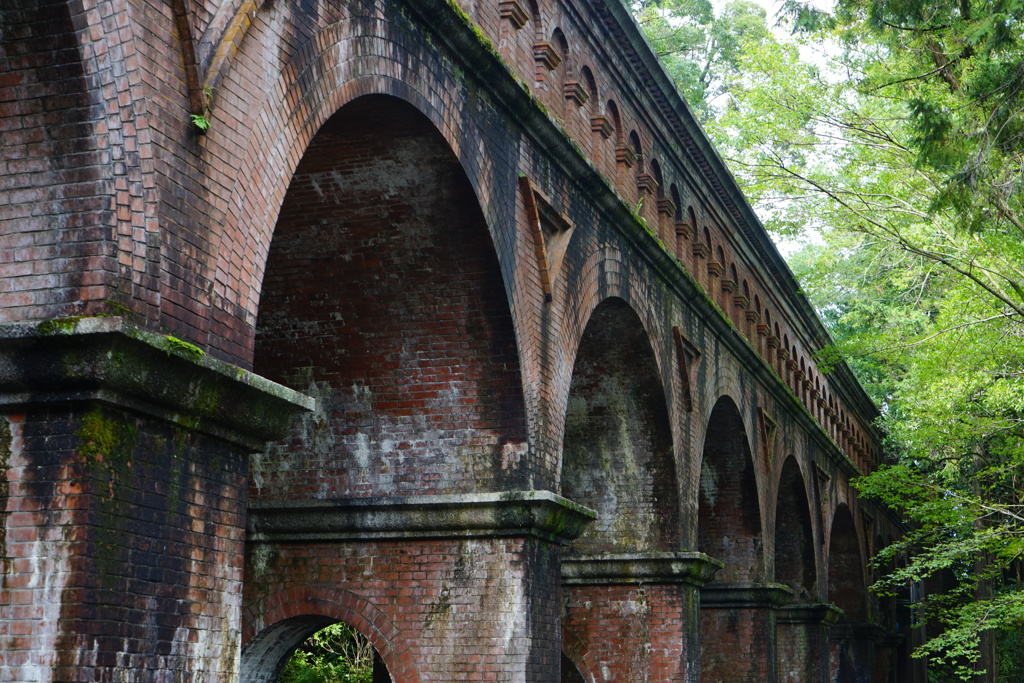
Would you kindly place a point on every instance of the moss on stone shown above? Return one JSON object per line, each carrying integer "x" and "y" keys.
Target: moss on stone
{"x": 182, "y": 348}
{"x": 59, "y": 325}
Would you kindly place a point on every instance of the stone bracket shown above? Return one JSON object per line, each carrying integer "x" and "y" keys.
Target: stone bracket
{"x": 639, "y": 568}
{"x": 539, "y": 514}
{"x": 111, "y": 361}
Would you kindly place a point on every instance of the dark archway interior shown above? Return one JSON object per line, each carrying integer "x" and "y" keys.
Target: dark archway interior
{"x": 794, "y": 537}
{"x": 570, "y": 674}
{"x": 729, "y": 517}
{"x": 846, "y": 585}
{"x": 617, "y": 456}
{"x": 383, "y": 298}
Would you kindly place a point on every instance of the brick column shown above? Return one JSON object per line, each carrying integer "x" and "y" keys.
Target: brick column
{"x": 123, "y": 507}
{"x": 635, "y": 616}
{"x": 802, "y": 641}
{"x": 738, "y": 636}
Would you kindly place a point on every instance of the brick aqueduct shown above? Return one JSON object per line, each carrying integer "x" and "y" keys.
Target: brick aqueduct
{"x": 452, "y": 326}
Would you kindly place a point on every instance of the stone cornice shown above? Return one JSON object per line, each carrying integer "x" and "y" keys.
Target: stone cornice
{"x": 719, "y": 595}
{"x": 111, "y": 361}
{"x": 639, "y": 568}
{"x": 539, "y": 514}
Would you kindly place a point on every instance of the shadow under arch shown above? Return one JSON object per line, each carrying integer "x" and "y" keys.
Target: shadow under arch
{"x": 735, "y": 614}
{"x": 729, "y": 513}
{"x": 847, "y": 587}
{"x": 383, "y": 297}
{"x": 307, "y": 611}
{"x": 851, "y": 646}
{"x": 617, "y": 452}
{"x": 795, "y": 560}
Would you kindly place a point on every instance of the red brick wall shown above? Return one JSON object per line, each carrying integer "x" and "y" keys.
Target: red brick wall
{"x": 794, "y": 536}
{"x": 737, "y": 645}
{"x": 846, "y": 585}
{"x": 729, "y": 517}
{"x": 631, "y": 633}
{"x": 57, "y": 254}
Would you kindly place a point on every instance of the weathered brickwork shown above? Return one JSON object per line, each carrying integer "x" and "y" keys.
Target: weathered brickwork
{"x": 446, "y": 282}
{"x": 102, "y": 522}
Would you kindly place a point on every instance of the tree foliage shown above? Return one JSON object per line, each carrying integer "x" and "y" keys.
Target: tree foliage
{"x": 886, "y": 138}
{"x": 700, "y": 50}
{"x": 335, "y": 654}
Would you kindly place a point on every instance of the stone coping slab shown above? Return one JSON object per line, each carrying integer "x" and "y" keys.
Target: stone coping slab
{"x": 539, "y": 514}
{"x": 109, "y": 360}
{"x": 808, "y": 613}
{"x": 693, "y": 568}
{"x": 731, "y": 595}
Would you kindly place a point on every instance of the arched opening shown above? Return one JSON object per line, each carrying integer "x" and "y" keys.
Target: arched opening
{"x": 729, "y": 530}
{"x": 383, "y": 298}
{"x": 846, "y": 584}
{"x": 617, "y": 455}
{"x": 794, "y": 536}
{"x": 850, "y": 653}
{"x": 729, "y": 516}
{"x": 311, "y": 648}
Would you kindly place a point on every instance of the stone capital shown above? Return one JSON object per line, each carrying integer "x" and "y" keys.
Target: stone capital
{"x": 111, "y": 361}
{"x": 540, "y": 514}
{"x": 719, "y": 595}
{"x": 639, "y": 568}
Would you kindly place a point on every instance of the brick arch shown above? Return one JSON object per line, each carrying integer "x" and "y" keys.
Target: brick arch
{"x": 729, "y": 520}
{"x": 618, "y": 456}
{"x": 795, "y": 555}
{"x": 606, "y": 274}
{"x": 282, "y": 130}
{"x": 277, "y": 624}
{"x": 576, "y": 651}
{"x": 383, "y": 297}
{"x": 847, "y": 584}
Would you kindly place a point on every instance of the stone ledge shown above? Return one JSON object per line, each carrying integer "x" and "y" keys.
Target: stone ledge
{"x": 745, "y": 595}
{"x": 639, "y": 568}
{"x": 111, "y": 361}
{"x": 808, "y": 613}
{"x": 540, "y": 514}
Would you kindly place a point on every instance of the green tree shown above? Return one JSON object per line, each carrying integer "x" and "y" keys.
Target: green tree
{"x": 896, "y": 157}
{"x": 700, "y": 50}
{"x": 335, "y": 654}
